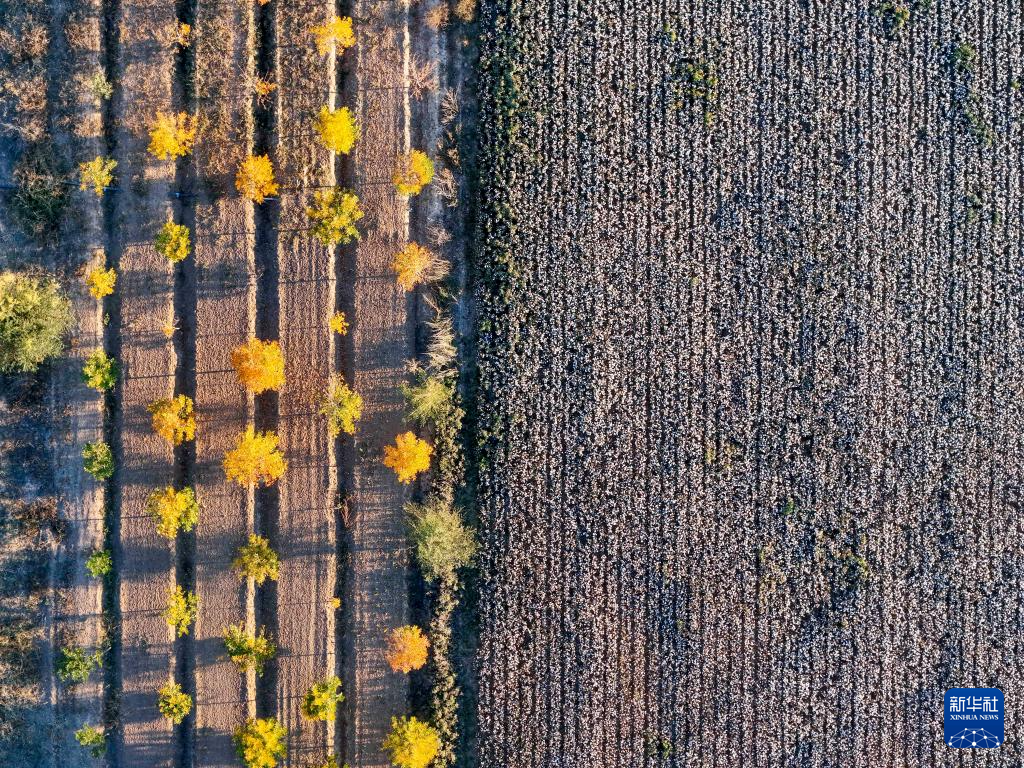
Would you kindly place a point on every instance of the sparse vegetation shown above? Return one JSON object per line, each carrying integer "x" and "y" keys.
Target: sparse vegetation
{"x": 415, "y": 264}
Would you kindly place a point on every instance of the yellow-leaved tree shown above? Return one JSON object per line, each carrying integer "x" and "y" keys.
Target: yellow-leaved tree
{"x": 96, "y": 174}
{"x": 411, "y": 743}
{"x": 101, "y": 282}
{"x": 256, "y": 459}
{"x": 259, "y": 365}
{"x": 408, "y": 456}
{"x": 337, "y": 32}
{"x": 338, "y": 129}
{"x": 172, "y": 135}
{"x": 173, "y": 510}
{"x": 173, "y": 242}
{"x": 261, "y": 742}
{"x": 413, "y": 171}
{"x": 255, "y": 178}
{"x": 339, "y": 323}
{"x": 415, "y": 264}
{"x": 173, "y": 419}
{"x": 407, "y": 649}
{"x": 334, "y": 214}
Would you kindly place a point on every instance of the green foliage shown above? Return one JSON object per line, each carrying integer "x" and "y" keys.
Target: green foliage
{"x": 174, "y": 703}
{"x": 333, "y": 215}
{"x": 99, "y": 86}
{"x": 429, "y": 397}
{"x": 98, "y": 459}
{"x": 894, "y": 17}
{"x": 322, "y": 700}
{"x": 181, "y": 611}
{"x": 256, "y": 560}
{"x": 92, "y": 738}
{"x": 248, "y": 651}
{"x": 342, "y": 406}
{"x": 99, "y": 564}
{"x": 443, "y": 543}
{"x": 34, "y": 317}
{"x": 173, "y": 242}
{"x": 75, "y": 664}
{"x": 261, "y": 742}
{"x": 963, "y": 57}
{"x": 100, "y": 371}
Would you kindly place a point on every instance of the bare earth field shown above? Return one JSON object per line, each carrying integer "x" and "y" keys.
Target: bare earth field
{"x": 749, "y": 405}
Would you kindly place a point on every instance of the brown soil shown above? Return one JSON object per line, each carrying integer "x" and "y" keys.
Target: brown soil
{"x": 304, "y": 534}
{"x": 383, "y": 337}
{"x": 225, "y": 318}
{"x": 146, "y": 461}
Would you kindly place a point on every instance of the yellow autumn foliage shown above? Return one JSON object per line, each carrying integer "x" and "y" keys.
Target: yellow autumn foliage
{"x": 256, "y": 459}
{"x": 259, "y": 365}
{"x": 414, "y": 264}
{"x": 255, "y": 178}
{"x": 339, "y": 324}
{"x": 337, "y": 32}
{"x": 101, "y": 282}
{"x": 96, "y": 174}
{"x": 411, "y": 743}
{"x": 171, "y": 135}
{"x": 413, "y": 172}
{"x": 338, "y": 129}
{"x": 408, "y": 456}
{"x": 173, "y": 419}
{"x": 407, "y": 649}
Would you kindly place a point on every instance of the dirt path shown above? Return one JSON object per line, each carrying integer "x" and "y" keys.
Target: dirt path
{"x": 146, "y": 461}
{"x": 304, "y": 533}
{"x": 383, "y": 336}
{"x": 225, "y": 318}
{"x": 78, "y": 409}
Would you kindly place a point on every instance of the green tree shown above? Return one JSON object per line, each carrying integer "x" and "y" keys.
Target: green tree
{"x": 256, "y": 560}
{"x": 443, "y": 543}
{"x": 246, "y": 650}
{"x": 98, "y": 460}
{"x": 34, "y": 317}
{"x": 99, "y": 564}
{"x": 261, "y": 742}
{"x": 75, "y": 664}
{"x": 342, "y": 406}
{"x": 321, "y": 701}
{"x": 92, "y": 738}
{"x": 429, "y": 398}
{"x": 182, "y": 608}
{"x": 173, "y": 242}
{"x": 174, "y": 703}
{"x": 100, "y": 371}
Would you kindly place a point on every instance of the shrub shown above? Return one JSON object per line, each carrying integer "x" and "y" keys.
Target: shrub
{"x": 337, "y": 32}
{"x": 256, "y": 560}
{"x": 173, "y": 419}
{"x": 182, "y": 608}
{"x": 415, "y": 264}
{"x": 338, "y": 129}
{"x": 173, "y": 510}
{"x": 174, "y": 703}
{"x": 40, "y": 194}
{"x": 259, "y": 365}
{"x": 92, "y": 738}
{"x": 173, "y": 242}
{"x": 342, "y": 407}
{"x": 98, "y": 459}
{"x": 101, "y": 282}
{"x": 255, "y": 178}
{"x": 75, "y": 664}
{"x": 413, "y": 172}
{"x": 261, "y": 742}
{"x": 339, "y": 324}
{"x": 322, "y": 700}
{"x": 99, "y": 564}
{"x": 97, "y": 173}
{"x": 334, "y": 213}
{"x": 99, "y": 86}
{"x": 255, "y": 460}
{"x": 408, "y": 456}
{"x": 172, "y": 136}
{"x": 34, "y": 316}
{"x": 443, "y": 543}
{"x": 411, "y": 743}
{"x": 248, "y": 651}
{"x": 100, "y": 371}
{"x": 407, "y": 649}
{"x": 429, "y": 397}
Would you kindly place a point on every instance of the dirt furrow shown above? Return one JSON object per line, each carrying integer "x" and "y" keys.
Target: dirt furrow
{"x": 225, "y": 318}
{"x": 304, "y": 530}
{"x": 145, "y": 561}
{"x": 382, "y": 342}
